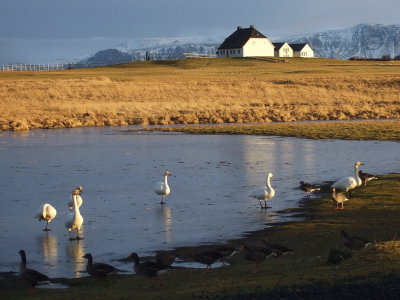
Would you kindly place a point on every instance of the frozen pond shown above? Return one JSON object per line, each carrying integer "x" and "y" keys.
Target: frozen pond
{"x": 211, "y": 179}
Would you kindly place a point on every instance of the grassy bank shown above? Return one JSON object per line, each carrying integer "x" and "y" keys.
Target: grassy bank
{"x": 362, "y": 130}
{"x": 372, "y": 212}
{"x": 195, "y": 91}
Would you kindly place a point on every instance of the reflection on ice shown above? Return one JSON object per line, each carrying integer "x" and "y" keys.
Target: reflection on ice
{"x": 213, "y": 176}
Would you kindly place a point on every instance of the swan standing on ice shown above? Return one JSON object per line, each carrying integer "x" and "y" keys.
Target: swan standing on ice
{"x": 76, "y": 192}
{"x": 47, "y": 213}
{"x": 75, "y": 221}
{"x": 264, "y": 193}
{"x": 162, "y": 188}
{"x": 348, "y": 183}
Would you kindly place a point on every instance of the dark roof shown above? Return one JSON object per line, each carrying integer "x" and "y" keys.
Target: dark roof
{"x": 278, "y": 45}
{"x": 240, "y": 37}
{"x": 298, "y": 47}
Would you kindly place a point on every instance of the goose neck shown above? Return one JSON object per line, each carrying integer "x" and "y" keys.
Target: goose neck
{"x": 23, "y": 259}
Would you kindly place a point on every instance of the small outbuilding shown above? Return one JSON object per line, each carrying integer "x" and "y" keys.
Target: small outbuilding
{"x": 246, "y": 42}
{"x": 302, "y": 50}
{"x": 283, "y": 50}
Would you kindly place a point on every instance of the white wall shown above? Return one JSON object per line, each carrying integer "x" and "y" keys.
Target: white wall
{"x": 258, "y": 47}
{"x": 230, "y": 53}
{"x": 284, "y": 51}
{"x": 306, "y": 52}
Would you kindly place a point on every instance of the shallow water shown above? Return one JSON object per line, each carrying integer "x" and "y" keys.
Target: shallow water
{"x": 211, "y": 179}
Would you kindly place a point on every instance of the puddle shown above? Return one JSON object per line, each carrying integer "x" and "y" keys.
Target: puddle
{"x": 212, "y": 177}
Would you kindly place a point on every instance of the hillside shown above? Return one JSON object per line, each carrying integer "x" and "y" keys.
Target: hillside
{"x": 195, "y": 91}
{"x": 363, "y": 40}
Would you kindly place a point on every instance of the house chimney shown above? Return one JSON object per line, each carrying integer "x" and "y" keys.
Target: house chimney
{"x": 239, "y": 27}
{"x": 251, "y": 26}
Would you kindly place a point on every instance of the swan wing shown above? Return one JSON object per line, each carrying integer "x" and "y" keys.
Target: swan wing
{"x": 260, "y": 193}
{"x": 70, "y": 220}
{"x": 51, "y": 212}
{"x": 159, "y": 188}
{"x": 345, "y": 183}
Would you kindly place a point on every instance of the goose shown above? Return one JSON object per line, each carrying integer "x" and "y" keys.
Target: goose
{"x": 207, "y": 257}
{"x": 348, "y": 183}
{"x": 100, "y": 270}
{"x": 128, "y": 258}
{"x": 255, "y": 254}
{"x": 165, "y": 258}
{"x": 162, "y": 188}
{"x": 31, "y": 276}
{"x": 308, "y": 188}
{"x": 148, "y": 268}
{"x": 227, "y": 252}
{"x": 277, "y": 249}
{"x": 264, "y": 193}
{"x": 338, "y": 198}
{"x": 354, "y": 242}
{"x": 365, "y": 177}
{"x": 47, "y": 212}
{"x": 75, "y": 222}
{"x": 77, "y": 194}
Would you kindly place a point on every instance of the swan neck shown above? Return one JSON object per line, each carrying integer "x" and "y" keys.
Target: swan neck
{"x": 166, "y": 179}
{"x": 269, "y": 182}
{"x": 44, "y": 210}
{"x": 76, "y": 208}
{"x": 357, "y": 176}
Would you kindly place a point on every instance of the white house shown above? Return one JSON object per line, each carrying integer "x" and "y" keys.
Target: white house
{"x": 246, "y": 42}
{"x": 283, "y": 50}
{"x": 302, "y": 50}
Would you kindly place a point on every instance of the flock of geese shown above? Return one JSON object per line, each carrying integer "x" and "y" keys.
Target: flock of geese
{"x": 340, "y": 193}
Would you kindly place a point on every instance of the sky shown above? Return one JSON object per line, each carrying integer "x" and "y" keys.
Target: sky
{"x": 30, "y": 29}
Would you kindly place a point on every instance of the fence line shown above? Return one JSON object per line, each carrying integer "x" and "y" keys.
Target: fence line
{"x": 60, "y": 66}
{"x": 34, "y": 67}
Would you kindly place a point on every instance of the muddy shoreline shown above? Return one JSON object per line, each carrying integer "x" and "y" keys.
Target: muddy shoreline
{"x": 304, "y": 275}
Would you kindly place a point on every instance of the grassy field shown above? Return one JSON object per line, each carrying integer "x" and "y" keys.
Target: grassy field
{"x": 360, "y": 130}
{"x": 194, "y": 91}
{"x": 370, "y": 273}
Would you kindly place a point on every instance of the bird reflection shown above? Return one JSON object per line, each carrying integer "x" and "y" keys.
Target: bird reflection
{"x": 166, "y": 214}
{"x": 50, "y": 248}
{"x": 268, "y": 216}
{"x": 75, "y": 251}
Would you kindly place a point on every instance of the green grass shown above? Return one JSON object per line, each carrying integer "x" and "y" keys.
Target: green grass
{"x": 362, "y": 130}
{"x": 372, "y": 212}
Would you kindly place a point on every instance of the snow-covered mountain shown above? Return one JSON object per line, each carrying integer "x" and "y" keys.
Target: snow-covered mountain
{"x": 155, "y": 49}
{"x": 364, "y": 40}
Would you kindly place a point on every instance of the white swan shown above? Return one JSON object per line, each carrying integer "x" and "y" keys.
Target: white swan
{"x": 348, "y": 183}
{"x": 162, "y": 188}
{"x": 76, "y": 192}
{"x": 75, "y": 221}
{"x": 264, "y": 193}
{"x": 47, "y": 213}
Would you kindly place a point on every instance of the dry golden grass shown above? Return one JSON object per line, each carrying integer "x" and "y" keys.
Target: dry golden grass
{"x": 200, "y": 91}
